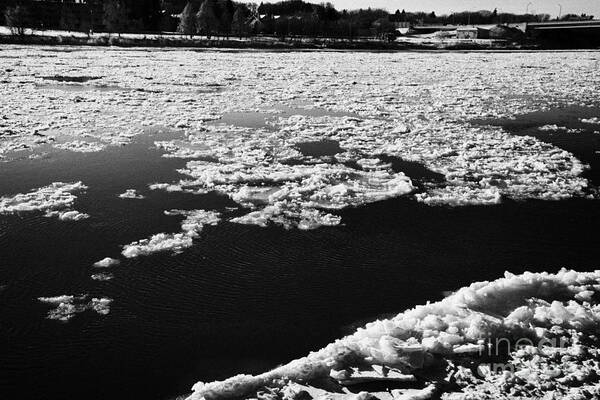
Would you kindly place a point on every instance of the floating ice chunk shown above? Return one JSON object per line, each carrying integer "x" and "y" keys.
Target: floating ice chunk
{"x": 195, "y": 220}
{"x": 593, "y": 120}
{"x": 66, "y": 307}
{"x": 174, "y": 242}
{"x": 260, "y": 218}
{"x": 165, "y": 186}
{"x": 64, "y": 311}
{"x": 56, "y": 299}
{"x": 131, "y": 194}
{"x": 107, "y": 263}
{"x": 81, "y": 146}
{"x": 460, "y": 196}
{"x": 70, "y": 215}
{"x": 586, "y": 295}
{"x": 280, "y": 215}
{"x": 102, "y": 277}
{"x": 553, "y": 127}
{"x": 100, "y": 305}
{"x": 559, "y": 128}
{"x": 191, "y": 227}
{"x": 54, "y": 199}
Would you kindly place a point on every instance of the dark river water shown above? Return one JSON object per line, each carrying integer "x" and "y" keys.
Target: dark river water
{"x": 244, "y": 299}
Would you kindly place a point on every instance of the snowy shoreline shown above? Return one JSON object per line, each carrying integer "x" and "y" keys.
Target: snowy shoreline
{"x": 169, "y": 40}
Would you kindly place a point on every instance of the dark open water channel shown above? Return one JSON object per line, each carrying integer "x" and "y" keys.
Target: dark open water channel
{"x": 244, "y": 298}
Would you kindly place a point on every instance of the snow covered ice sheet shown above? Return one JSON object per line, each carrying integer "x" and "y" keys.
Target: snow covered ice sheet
{"x": 412, "y": 106}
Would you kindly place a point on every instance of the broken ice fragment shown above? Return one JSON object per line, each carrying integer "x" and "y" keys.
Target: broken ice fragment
{"x": 54, "y": 199}
{"x": 66, "y": 306}
{"x": 106, "y": 263}
{"x": 191, "y": 227}
{"x": 131, "y": 194}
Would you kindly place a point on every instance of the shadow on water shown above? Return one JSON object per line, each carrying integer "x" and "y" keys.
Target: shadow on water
{"x": 416, "y": 171}
{"x": 319, "y": 148}
{"x": 244, "y": 298}
{"x": 75, "y": 79}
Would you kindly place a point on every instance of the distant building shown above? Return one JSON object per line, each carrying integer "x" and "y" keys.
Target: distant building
{"x": 472, "y": 32}
{"x": 401, "y": 24}
{"x": 255, "y": 24}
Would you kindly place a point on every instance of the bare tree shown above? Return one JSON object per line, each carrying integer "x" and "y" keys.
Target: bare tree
{"x": 115, "y": 16}
{"x": 17, "y": 19}
{"x": 68, "y": 20}
{"x": 187, "y": 20}
{"x": 239, "y": 25}
{"x": 226, "y": 11}
{"x": 206, "y": 19}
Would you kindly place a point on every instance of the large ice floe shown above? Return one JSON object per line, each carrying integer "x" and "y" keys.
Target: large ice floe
{"x": 533, "y": 335}
{"x": 293, "y": 194}
{"x": 191, "y": 227}
{"x": 67, "y": 306}
{"x": 55, "y": 200}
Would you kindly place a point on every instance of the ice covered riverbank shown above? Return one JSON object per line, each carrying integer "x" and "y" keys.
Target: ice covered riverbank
{"x": 522, "y": 336}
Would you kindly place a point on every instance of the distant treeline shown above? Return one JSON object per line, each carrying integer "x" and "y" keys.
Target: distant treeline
{"x": 226, "y": 17}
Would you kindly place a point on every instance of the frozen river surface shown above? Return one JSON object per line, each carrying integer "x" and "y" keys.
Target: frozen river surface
{"x": 169, "y": 216}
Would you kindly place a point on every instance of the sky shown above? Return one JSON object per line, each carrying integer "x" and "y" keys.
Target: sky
{"x": 448, "y": 6}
